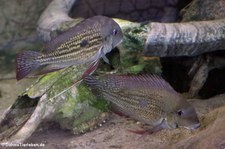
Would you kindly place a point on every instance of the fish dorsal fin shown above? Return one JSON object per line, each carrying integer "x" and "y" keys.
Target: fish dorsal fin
{"x": 121, "y": 82}
{"x": 76, "y": 30}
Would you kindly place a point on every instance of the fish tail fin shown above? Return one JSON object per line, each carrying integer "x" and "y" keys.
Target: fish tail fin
{"x": 25, "y": 63}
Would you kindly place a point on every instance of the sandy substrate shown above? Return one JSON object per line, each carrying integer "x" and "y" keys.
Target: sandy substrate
{"x": 114, "y": 134}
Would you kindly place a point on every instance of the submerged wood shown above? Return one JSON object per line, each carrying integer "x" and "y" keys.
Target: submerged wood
{"x": 52, "y": 18}
{"x": 201, "y": 30}
{"x": 185, "y": 39}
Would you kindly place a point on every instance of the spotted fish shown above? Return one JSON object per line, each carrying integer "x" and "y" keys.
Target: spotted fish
{"x": 147, "y": 98}
{"x": 86, "y": 42}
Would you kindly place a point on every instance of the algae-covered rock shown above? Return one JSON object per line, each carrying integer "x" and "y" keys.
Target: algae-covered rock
{"x": 134, "y": 35}
{"x": 83, "y": 112}
{"x": 74, "y": 105}
{"x": 204, "y": 10}
{"x": 131, "y": 58}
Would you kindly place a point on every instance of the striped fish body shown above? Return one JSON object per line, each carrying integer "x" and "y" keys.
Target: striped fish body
{"x": 149, "y": 99}
{"x": 87, "y": 42}
{"x": 142, "y": 105}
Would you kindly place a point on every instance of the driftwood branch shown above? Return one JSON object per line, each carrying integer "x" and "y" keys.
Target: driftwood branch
{"x": 30, "y": 126}
{"x": 54, "y": 15}
{"x": 185, "y": 39}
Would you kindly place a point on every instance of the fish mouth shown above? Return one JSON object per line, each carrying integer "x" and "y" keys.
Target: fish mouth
{"x": 193, "y": 127}
{"x": 119, "y": 42}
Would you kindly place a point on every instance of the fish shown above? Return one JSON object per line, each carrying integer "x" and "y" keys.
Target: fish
{"x": 85, "y": 43}
{"x": 146, "y": 98}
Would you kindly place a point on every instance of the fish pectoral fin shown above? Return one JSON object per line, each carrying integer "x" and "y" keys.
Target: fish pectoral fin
{"x": 154, "y": 129}
{"x": 151, "y": 130}
{"x": 157, "y": 127}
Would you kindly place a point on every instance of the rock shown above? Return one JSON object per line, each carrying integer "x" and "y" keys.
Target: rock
{"x": 18, "y": 23}
{"x": 71, "y": 116}
{"x": 137, "y": 11}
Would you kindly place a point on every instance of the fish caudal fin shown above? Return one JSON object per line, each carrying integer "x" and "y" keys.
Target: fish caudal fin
{"x": 25, "y": 63}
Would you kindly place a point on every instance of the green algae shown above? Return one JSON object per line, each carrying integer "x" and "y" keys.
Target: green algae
{"x": 77, "y": 109}
{"x": 134, "y": 35}
{"x": 83, "y": 112}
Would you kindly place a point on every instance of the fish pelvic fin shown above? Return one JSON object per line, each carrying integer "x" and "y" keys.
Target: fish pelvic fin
{"x": 25, "y": 63}
{"x": 140, "y": 132}
{"x": 91, "y": 69}
{"x": 102, "y": 55}
{"x": 105, "y": 59}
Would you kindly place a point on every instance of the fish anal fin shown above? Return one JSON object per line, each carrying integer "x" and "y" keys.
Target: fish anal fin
{"x": 47, "y": 69}
{"x": 120, "y": 113}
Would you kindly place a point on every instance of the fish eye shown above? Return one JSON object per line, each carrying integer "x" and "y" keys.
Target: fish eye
{"x": 179, "y": 112}
{"x": 114, "y": 32}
